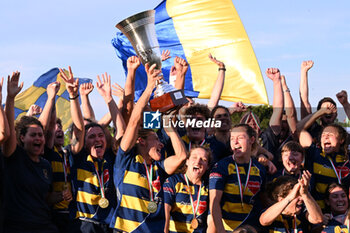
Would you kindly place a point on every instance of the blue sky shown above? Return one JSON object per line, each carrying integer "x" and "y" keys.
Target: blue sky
{"x": 39, "y": 35}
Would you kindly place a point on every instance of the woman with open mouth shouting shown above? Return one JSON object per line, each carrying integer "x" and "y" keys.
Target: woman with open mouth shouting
{"x": 330, "y": 162}
{"x": 27, "y": 176}
{"x": 287, "y": 213}
{"x": 186, "y": 195}
{"x": 92, "y": 169}
{"x": 235, "y": 182}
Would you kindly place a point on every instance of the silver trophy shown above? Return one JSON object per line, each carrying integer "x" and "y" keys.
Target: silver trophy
{"x": 141, "y": 32}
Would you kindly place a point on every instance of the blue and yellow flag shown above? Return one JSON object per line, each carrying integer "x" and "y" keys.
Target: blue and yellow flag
{"x": 36, "y": 94}
{"x": 192, "y": 29}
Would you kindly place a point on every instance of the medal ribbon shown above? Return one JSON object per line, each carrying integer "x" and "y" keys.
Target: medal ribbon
{"x": 149, "y": 174}
{"x": 335, "y": 170}
{"x": 100, "y": 181}
{"x": 241, "y": 189}
{"x": 64, "y": 164}
{"x": 254, "y": 119}
{"x": 286, "y": 225}
{"x": 190, "y": 144}
{"x": 191, "y": 199}
{"x": 295, "y": 224}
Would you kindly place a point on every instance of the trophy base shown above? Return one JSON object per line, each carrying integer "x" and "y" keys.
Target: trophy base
{"x": 168, "y": 101}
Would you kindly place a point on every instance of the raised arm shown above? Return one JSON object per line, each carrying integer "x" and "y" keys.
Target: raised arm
{"x": 289, "y": 106}
{"x": 4, "y": 126}
{"x": 180, "y": 68}
{"x": 105, "y": 90}
{"x": 50, "y": 132}
{"x": 307, "y": 121}
{"x": 270, "y": 215}
{"x": 343, "y": 99}
{"x": 237, "y": 107}
{"x": 120, "y": 93}
{"x": 12, "y": 90}
{"x": 278, "y": 100}
{"x": 305, "y": 107}
{"x": 45, "y": 116}
{"x": 132, "y": 64}
{"x": 85, "y": 89}
{"x": 130, "y": 135}
{"x": 34, "y": 110}
{"x": 219, "y": 84}
{"x": 314, "y": 212}
{"x": 77, "y": 117}
{"x": 173, "y": 162}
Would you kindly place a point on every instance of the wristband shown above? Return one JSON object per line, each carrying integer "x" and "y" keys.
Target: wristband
{"x": 224, "y": 69}
{"x": 287, "y": 90}
{"x": 73, "y": 98}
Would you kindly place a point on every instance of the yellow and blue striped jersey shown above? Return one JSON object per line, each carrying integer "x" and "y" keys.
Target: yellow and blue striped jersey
{"x": 87, "y": 187}
{"x": 55, "y": 157}
{"x": 286, "y": 224}
{"x": 176, "y": 194}
{"x": 224, "y": 177}
{"x": 318, "y": 163}
{"x": 130, "y": 177}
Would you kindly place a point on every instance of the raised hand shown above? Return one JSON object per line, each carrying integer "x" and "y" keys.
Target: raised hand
{"x": 52, "y": 89}
{"x": 133, "y": 63}
{"x": 294, "y": 193}
{"x": 152, "y": 75}
{"x": 165, "y": 55}
{"x": 34, "y": 110}
{"x": 12, "y": 85}
{"x": 71, "y": 84}
{"x": 180, "y": 65}
{"x": 104, "y": 86}
{"x": 217, "y": 62}
{"x": 118, "y": 91}
{"x": 238, "y": 107}
{"x": 273, "y": 74}
{"x": 306, "y": 65}
{"x": 343, "y": 97}
{"x": 86, "y": 88}
{"x": 304, "y": 182}
{"x": 329, "y": 108}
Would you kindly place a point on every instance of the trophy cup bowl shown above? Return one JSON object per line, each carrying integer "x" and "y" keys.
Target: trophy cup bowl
{"x": 141, "y": 32}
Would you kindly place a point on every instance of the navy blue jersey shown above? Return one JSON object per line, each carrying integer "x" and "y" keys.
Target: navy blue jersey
{"x": 224, "y": 177}
{"x": 177, "y": 195}
{"x": 133, "y": 192}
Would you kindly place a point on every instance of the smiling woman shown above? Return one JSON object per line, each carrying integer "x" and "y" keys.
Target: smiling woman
{"x": 27, "y": 176}
{"x": 235, "y": 182}
{"x": 186, "y": 195}
{"x": 336, "y": 217}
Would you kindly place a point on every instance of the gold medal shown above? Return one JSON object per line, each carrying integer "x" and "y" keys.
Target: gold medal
{"x": 103, "y": 203}
{"x": 152, "y": 207}
{"x": 194, "y": 223}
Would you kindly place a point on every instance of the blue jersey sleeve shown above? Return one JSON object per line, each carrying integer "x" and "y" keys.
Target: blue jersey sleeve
{"x": 217, "y": 178}
{"x": 169, "y": 191}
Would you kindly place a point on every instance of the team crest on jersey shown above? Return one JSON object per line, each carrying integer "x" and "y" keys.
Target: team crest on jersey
{"x": 156, "y": 184}
{"x": 105, "y": 176}
{"x": 254, "y": 186}
{"x": 344, "y": 171}
{"x": 202, "y": 206}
